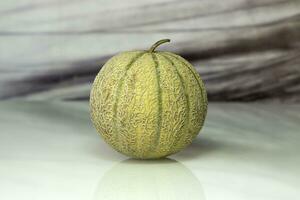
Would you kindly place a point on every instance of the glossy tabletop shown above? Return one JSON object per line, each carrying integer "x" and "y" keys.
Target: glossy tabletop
{"x": 50, "y": 150}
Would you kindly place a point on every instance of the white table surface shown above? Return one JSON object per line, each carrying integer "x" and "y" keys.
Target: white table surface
{"x": 50, "y": 150}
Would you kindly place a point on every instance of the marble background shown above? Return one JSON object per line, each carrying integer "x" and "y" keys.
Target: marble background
{"x": 245, "y": 50}
{"x": 50, "y": 151}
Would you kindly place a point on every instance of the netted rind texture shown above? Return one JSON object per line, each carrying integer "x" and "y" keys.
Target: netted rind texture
{"x": 148, "y": 105}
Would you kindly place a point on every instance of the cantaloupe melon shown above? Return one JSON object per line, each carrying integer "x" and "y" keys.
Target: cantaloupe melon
{"x": 148, "y": 104}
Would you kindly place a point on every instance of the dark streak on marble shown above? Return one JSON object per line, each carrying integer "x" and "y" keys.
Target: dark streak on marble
{"x": 256, "y": 78}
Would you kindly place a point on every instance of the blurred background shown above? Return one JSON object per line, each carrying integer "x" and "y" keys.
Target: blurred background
{"x": 245, "y": 50}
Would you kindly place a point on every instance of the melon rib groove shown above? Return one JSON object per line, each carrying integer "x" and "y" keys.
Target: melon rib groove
{"x": 185, "y": 94}
{"x": 117, "y": 94}
{"x": 196, "y": 76}
{"x": 159, "y": 100}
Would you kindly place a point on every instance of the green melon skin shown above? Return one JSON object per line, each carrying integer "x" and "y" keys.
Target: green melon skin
{"x": 148, "y": 104}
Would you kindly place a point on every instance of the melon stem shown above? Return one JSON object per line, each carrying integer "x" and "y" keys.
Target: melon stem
{"x": 156, "y": 44}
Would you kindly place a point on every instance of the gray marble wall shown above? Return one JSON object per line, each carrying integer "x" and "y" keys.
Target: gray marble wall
{"x": 245, "y": 50}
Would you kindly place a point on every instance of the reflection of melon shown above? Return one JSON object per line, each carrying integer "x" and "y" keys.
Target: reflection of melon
{"x": 148, "y": 104}
{"x": 142, "y": 180}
